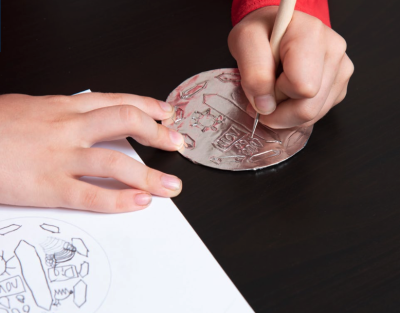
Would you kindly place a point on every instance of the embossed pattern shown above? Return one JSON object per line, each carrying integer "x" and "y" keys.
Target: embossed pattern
{"x": 211, "y": 115}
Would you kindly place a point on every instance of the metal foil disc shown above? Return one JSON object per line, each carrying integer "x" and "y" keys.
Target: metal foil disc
{"x": 210, "y": 112}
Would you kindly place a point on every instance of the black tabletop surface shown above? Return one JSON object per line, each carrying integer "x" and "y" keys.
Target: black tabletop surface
{"x": 317, "y": 233}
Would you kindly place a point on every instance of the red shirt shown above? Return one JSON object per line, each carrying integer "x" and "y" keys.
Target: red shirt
{"x": 317, "y": 8}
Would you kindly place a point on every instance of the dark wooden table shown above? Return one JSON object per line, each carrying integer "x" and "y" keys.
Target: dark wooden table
{"x": 318, "y": 233}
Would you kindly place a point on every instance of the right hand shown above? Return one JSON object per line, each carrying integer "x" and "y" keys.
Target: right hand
{"x": 316, "y": 68}
{"x": 45, "y": 147}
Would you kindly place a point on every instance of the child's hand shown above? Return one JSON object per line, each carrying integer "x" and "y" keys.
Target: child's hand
{"x": 316, "y": 69}
{"x": 45, "y": 146}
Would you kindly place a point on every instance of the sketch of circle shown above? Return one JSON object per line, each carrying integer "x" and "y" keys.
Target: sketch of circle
{"x": 210, "y": 112}
{"x": 47, "y": 265}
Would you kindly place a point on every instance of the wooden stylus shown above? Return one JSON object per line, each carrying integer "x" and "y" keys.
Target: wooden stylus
{"x": 283, "y": 18}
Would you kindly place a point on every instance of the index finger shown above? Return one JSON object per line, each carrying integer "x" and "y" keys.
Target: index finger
{"x": 82, "y": 103}
{"x": 303, "y": 51}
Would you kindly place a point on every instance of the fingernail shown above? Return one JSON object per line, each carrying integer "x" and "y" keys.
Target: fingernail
{"x": 165, "y": 106}
{"x": 171, "y": 182}
{"x": 265, "y": 104}
{"x": 143, "y": 199}
{"x": 176, "y": 138}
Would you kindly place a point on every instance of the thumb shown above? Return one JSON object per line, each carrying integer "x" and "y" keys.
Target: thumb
{"x": 250, "y": 47}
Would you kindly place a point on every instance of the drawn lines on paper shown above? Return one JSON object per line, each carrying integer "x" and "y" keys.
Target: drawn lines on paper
{"x": 61, "y": 294}
{"x": 34, "y": 275}
{"x": 50, "y": 228}
{"x": 84, "y": 269}
{"x": 58, "y": 251}
{"x": 42, "y": 275}
{"x": 80, "y": 293}
{"x": 5, "y": 302}
{"x": 4, "y": 266}
{"x": 20, "y": 298}
{"x": 9, "y": 229}
{"x": 62, "y": 273}
{"x": 80, "y": 246}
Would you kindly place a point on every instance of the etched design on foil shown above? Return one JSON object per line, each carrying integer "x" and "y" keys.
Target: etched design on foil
{"x": 215, "y": 103}
{"x": 230, "y": 158}
{"x": 188, "y": 142}
{"x": 264, "y": 155}
{"x": 229, "y": 77}
{"x": 248, "y": 147}
{"x": 206, "y": 121}
{"x": 228, "y": 139}
{"x": 294, "y": 137}
{"x": 223, "y": 106}
{"x": 188, "y": 93}
{"x": 178, "y": 115}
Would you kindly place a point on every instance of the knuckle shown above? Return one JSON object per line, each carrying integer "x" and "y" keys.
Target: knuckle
{"x": 152, "y": 136}
{"x": 148, "y": 102}
{"x": 339, "y": 45}
{"x": 128, "y": 115}
{"x": 121, "y": 204}
{"x": 346, "y": 71}
{"x": 257, "y": 81}
{"x": 342, "y": 44}
{"x": 59, "y": 99}
{"x": 113, "y": 161}
{"x": 307, "y": 113}
{"x": 307, "y": 88}
{"x": 89, "y": 198}
{"x": 148, "y": 179}
{"x": 240, "y": 33}
{"x": 114, "y": 97}
{"x": 159, "y": 135}
{"x": 341, "y": 96}
{"x": 237, "y": 31}
{"x": 67, "y": 197}
{"x": 317, "y": 28}
{"x": 350, "y": 67}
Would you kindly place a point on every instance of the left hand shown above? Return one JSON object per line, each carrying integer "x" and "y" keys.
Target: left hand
{"x": 316, "y": 69}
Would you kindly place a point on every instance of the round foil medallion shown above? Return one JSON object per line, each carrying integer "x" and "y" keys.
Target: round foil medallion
{"x": 210, "y": 112}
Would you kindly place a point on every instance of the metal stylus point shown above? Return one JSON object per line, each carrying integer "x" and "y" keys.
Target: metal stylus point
{"x": 255, "y": 124}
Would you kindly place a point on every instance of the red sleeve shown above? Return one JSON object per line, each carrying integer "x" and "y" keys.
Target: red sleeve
{"x": 317, "y": 8}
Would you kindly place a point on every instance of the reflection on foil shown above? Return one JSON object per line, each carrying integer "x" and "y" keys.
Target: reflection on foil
{"x": 211, "y": 116}
{"x": 188, "y": 93}
{"x": 206, "y": 121}
{"x": 224, "y": 106}
{"x": 229, "y": 77}
{"x": 188, "y": 141}
{"x": 231, "y": 158}
{"x": 264, "y": 155}
{"x": 178, "y": 115}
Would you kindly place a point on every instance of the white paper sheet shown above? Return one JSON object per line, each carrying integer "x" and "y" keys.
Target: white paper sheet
{"x": 67, "y": 261}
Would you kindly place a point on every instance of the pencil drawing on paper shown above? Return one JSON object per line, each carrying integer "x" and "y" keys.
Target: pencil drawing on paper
{"x": 9, "y": 229}
{"x": 50, "y": 228}
{"x": 50, "y": 266}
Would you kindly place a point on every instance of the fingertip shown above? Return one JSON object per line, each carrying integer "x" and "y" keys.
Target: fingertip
{"x": 265, "y": 104}
{"x": 172, "y": 184}
{"x": 142, "y": 200}
{"x": 165, "y": 106}
{"x": 167, "y": 111}
{"x": 176, "y": 138}
{"x": 131, "y": 200}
